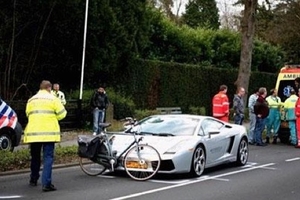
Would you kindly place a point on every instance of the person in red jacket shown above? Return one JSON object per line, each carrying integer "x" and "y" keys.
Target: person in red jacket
{"x": 220, "y": 104}
{"x": 297, "y": 113}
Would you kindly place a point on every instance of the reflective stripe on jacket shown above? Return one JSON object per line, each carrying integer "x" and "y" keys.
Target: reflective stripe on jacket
{"x": 289, "y": 107}
{"x": 43, "y": 111}
{"x": 220, "y": 105}
{"x": 274, "y": 102}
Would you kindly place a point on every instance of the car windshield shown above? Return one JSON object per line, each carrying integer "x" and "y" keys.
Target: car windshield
{"x": 167, "y": 125}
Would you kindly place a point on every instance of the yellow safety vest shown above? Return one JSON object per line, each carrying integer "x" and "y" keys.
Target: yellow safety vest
{"x": 274, "y": 102}
{"x": 43, "y": 111}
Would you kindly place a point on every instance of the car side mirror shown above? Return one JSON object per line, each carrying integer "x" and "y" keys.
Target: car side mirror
{"x": 213, "y": 132}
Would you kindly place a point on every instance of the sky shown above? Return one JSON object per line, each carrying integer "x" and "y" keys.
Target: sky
{"x": 223, "y": 5}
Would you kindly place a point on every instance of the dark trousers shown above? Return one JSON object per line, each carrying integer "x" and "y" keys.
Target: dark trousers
{"x": 48, "y": 157}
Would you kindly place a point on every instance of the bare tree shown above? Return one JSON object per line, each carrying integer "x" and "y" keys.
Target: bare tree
{"x": 248, "y": 30}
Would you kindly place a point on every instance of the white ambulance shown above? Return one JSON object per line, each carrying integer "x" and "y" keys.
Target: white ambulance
{"x": 286, "y": 81}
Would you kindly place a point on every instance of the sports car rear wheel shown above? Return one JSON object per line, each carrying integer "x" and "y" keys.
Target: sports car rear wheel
{"x": 243, "y": 152}
{"x": 198, "y": 162}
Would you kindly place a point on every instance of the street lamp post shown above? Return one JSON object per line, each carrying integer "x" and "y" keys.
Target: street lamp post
{"x": 83, "y": 51}
{"x": 79, "y": 103}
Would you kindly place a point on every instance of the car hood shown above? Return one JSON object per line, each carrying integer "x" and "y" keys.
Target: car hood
{"x": 160, "y": 143}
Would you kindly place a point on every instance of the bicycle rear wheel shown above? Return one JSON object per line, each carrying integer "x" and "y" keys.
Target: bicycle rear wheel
{"x": 91, "y": 168}
{"x": 142, "y": 162}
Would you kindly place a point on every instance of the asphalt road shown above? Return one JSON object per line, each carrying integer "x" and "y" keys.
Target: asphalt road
{"x": 271, "y": 173}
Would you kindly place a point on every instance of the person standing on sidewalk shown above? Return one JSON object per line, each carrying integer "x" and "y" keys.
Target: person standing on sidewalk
{"x": 59, "y": 94}
{"x": 238, "y": 106}
{"x": 220, "y": 104}
{"x": 289, "y": 107}
{"x": 261, "y": 110}
{"x": 252, "y": 117}
{"x": 42, "y": 131}
{"x": 99, "y": 103}
{"x": 273, "y": 120}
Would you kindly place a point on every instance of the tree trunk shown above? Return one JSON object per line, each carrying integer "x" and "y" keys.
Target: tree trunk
{"x": 248, "y": 28}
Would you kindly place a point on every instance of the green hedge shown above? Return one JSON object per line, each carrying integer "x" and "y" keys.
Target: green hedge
{"x": 160, "y": 84}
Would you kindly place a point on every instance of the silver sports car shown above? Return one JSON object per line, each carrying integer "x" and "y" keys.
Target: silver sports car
{"x": 189, "y": 143}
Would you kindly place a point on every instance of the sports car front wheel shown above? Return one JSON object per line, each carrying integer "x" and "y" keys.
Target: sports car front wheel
{"x": 243, "y": 152}
{"x": 198, "y": 162}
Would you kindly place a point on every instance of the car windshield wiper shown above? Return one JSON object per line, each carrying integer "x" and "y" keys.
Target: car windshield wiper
{"x": 164, "y": 134}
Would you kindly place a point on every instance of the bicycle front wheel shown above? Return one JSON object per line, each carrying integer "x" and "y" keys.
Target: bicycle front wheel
{"x": 91, "y": 168}
{"x": 142, "y": 162}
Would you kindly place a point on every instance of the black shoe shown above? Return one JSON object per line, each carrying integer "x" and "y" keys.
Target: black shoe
{"x": 261, "y": 144}
{"x": 33, "y": 182}
{"x": 267, "y": 140}
{"x": 251, "y": 143}
{"x": 49, "y": 188}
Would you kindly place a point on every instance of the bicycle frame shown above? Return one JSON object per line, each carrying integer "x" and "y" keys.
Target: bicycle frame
{"x": 140, "y": 161}
{"x": 110, "y": 160}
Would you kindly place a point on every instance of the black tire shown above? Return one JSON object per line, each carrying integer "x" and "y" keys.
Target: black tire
{"x": 198, "y": 162}
{"x": 91, "y": 168}
{"x": 284, "y": 135}
{"x": 143, "y": 163}
{"x": 6, "y": 142}
{"x": 243, "y": 153}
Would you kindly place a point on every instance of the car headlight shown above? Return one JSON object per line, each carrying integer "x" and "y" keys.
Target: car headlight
{"x": 179, "y": 146}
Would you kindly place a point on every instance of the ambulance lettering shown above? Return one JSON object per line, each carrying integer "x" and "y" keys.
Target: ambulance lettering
{"x": 289, "y": 76}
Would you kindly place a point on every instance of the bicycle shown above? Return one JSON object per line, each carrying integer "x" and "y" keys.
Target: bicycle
{"x": 140, "y": 161}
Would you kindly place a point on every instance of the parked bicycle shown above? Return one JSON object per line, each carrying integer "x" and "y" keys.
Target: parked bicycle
{"x": 140, "y": 161}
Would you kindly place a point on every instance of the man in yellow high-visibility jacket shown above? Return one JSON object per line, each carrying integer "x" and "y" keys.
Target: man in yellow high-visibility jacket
{"x": 42, "y": 131}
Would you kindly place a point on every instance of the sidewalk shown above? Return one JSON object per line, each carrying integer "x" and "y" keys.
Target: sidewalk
{"x": 69, "y": 138}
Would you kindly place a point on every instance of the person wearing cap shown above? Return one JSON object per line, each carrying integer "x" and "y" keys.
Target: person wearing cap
{"x": 273, "y": 119}
{"x": 42, "y": 132}
{"x": 289, "y": 108}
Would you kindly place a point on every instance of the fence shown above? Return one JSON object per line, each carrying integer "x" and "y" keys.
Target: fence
{"x": 78, "y": 112}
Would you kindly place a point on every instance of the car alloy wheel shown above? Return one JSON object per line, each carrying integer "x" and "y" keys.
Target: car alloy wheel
{"x": 243, "y": 152}
{"x": 198, "y": 161}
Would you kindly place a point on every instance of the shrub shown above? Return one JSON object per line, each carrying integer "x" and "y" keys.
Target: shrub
{"x": 20, "y": 159}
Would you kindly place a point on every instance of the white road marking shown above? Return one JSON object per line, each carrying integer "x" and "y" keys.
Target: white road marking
{"x": 192, "y": 182}
{"x": 249, "y": 164}
{"x": 10, "y": 197}
{"x": 292, "y": 159}
{"x": 168, "y": 182}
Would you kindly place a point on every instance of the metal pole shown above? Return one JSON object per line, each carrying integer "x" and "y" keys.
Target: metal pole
{"x": 83, "y": 52}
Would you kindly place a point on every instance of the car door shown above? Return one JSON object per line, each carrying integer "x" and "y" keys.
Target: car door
{"x": 215, "y": 144}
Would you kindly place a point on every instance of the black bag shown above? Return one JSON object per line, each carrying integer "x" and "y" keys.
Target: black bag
{"x": 88, "y": 146}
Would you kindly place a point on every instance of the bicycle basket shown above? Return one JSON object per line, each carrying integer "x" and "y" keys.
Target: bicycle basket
{"x": 87, "y": 146}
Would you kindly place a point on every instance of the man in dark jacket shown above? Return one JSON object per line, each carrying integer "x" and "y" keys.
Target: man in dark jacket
{"x": 261, "y": 110}
{"x": 238, "y": 106}
{"x": 99, "y": 103}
